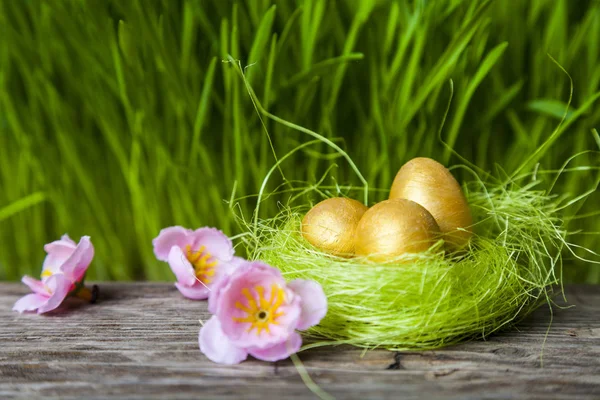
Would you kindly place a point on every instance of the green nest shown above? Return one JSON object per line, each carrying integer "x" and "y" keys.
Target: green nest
{"x": 434, "y": 298}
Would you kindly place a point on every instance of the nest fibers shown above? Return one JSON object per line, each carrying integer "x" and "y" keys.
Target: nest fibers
{"x": 431, "y": 299}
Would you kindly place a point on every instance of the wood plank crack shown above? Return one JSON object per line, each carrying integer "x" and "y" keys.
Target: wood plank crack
{"x": 397, "y": 364}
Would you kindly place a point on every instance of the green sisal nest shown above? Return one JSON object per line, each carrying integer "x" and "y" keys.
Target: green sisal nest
{"x": 431, "y": 299}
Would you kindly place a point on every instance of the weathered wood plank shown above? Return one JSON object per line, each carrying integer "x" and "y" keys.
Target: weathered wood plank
{"x": 140, "y": 341}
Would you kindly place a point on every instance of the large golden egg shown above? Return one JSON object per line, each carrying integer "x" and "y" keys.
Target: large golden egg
{"x": 429, "y": 183}
{"x": 330, "y": 225}
{"x": 394, "y": 227}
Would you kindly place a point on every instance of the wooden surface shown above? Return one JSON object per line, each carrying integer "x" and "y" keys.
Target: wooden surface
{"x": 141, "y": 341}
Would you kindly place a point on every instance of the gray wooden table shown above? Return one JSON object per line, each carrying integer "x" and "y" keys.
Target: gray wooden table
{"x": 141, "y": 341}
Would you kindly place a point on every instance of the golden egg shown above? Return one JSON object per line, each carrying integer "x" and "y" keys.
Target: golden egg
{"x": 394, "y": 227}
{"x": 330, "y": 225}
{"x": 429, "y": 183}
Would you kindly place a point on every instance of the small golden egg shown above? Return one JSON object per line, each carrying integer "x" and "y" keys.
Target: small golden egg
{"x": 429, "y": 183}
{"x": 394, "y": 227}
{"x": 330, "y": 225}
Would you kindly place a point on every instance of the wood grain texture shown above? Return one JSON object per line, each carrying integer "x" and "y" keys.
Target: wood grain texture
{"x": 140, "y": 341}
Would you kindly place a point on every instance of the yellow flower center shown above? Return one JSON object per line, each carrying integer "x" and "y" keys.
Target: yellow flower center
{"x": 46, "y": 273}
{"x": 262, "y": 313}
{"x": 203, "y": 269}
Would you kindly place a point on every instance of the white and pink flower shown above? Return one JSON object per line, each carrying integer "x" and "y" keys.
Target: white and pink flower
{"x": 257, "y": 313}
{"x": 62, "y": 275}
{"x": 198, "y": 258}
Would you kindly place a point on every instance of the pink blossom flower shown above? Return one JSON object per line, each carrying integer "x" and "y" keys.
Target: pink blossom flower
{"x": 68, "y": 258}
{"x": 197, "y": 258}
{"x": 63, "y": 273}
{"x": 257, "y": 313}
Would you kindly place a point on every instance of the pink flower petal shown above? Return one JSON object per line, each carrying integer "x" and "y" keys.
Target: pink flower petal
{"x": 196, "y": 292}
{"x": 35, "y": 285}
{"x": 58, "y": 252}
{"x": 215, "y": 293}
{"x": 59, "y": 286}
{"x": 30, "y": 302}
{"x": 181, "y": 267}
{"x": 67, "y": 240}
{"x": 76, "y": 265}
{"x": 228, "y": 267}
{"x": 169, "y": 237}
{"x": 222, "y": 278}
{"x": 64, "y": 242}
{"x": 279, "y": 351}
{"x": 215, "y": 241}
{"x": 215, "y": 345}
{"x": 314, "y": 302}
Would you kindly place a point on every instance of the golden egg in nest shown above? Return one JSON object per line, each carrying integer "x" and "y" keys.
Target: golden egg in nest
{"x": 330, "y": 225}
{"x": 429, "y": 183}
{"x": 395, "y": 227}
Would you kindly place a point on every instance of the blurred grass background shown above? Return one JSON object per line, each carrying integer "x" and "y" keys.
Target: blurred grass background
{"x": 118, "y": 118}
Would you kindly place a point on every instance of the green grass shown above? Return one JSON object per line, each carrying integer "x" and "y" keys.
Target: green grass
{"x": 118, "y": 118}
